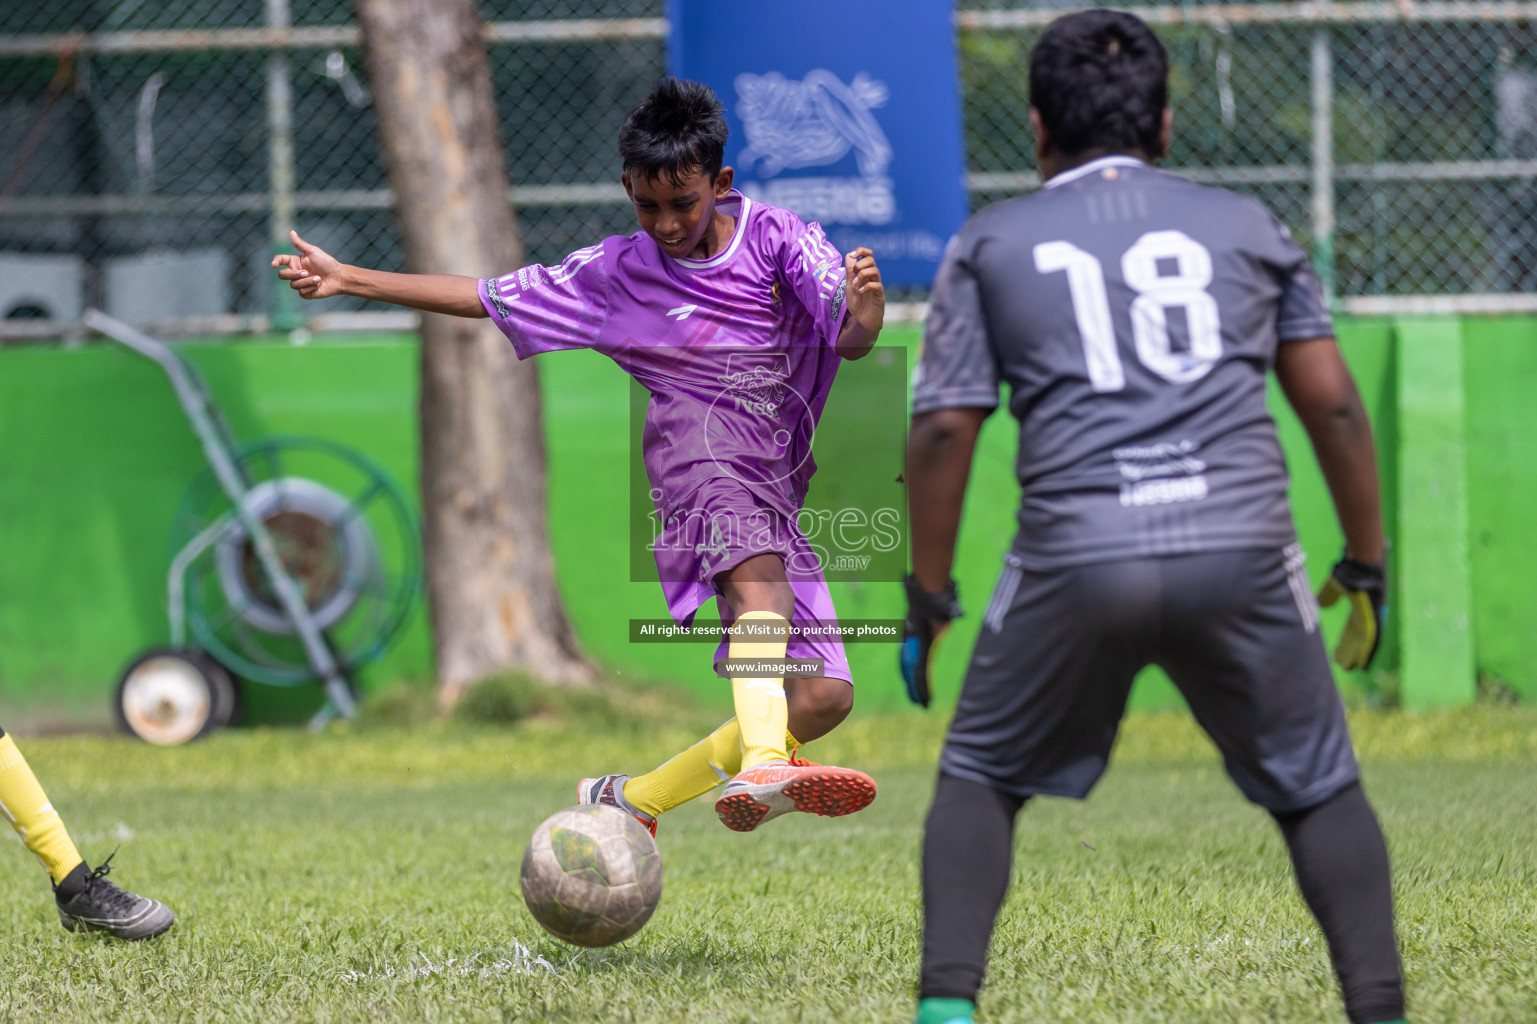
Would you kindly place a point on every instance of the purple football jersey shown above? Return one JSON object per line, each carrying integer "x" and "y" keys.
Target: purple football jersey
{"x": 737, "y": 352}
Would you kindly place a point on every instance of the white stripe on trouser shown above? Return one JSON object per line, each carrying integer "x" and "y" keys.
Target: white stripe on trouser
{"x": 1003, "y": 597}
{"x": 1302, "y": 594}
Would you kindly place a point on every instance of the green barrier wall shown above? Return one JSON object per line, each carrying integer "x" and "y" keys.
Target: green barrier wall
{"x": 95, "y": 454}
{"x": 1500, "y": 372}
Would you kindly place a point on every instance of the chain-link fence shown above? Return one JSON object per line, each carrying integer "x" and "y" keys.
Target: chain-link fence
{"x": 1399, "y": 139}
{"x": 151, "y": 152}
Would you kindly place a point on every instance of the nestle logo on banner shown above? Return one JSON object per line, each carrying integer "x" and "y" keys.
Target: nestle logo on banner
{"x": 816, "y": 122}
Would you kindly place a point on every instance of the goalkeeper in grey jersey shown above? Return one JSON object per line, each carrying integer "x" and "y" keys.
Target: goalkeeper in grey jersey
{"x": 1133, "y": 316}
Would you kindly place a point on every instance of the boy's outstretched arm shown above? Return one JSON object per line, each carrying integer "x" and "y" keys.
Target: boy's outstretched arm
{"x": 865, "y": 299}
{"x": 1319, "y": 387}
{"x": 316, "y": 274}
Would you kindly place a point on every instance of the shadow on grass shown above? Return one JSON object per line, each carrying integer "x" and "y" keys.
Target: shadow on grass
{"x": 692, "y": 957}
{"x": 513, "y": 698}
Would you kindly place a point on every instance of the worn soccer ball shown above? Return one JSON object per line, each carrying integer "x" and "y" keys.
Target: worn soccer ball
{"x": 592, "y": 875}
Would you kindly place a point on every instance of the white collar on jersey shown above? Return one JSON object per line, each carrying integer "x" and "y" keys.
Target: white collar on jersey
{"x": 743, "y": 205}
{"x": 1073, "y": 174}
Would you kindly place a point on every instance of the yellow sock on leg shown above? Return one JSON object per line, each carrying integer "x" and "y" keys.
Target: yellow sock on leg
{"x": 761, "y": 710}
{"x": 693, "y": 773}
{"x": 39, "y": 825}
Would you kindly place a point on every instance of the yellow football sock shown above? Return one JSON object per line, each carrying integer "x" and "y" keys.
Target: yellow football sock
{"x": 35, "y": 820}
{"x": 693, "y": 773}
{"x": 761, "y": 710}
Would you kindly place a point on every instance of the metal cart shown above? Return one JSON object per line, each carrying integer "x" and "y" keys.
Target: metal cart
{"x": 294, "y": 561}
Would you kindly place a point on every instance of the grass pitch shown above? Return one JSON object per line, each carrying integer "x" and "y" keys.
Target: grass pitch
{"x": 372, "y": 875}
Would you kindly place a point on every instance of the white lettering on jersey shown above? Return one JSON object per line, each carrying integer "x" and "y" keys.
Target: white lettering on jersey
{"x": 1164, "y": 492}
{"x": 1157, "y": 293}
{"x": 1143, "y": 462}
{"x": 1091, "y": 308}
{"x": 1160, "y": 474}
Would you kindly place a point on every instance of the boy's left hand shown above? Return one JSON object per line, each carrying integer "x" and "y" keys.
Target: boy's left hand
{"x": 864, "y": 294}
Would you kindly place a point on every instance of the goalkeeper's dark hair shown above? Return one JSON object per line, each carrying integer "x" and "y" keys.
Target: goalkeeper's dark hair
{"x": 676, "y": 131}
{"x": 1100, "y": 80}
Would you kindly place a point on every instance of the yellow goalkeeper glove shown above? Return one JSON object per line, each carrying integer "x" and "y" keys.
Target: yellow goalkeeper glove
{"x": 1364, "y": 586}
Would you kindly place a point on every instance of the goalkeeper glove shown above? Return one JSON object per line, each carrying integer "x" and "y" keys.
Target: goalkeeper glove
{"x": 1365, "y": 586}
{"x": 928, "y": 616}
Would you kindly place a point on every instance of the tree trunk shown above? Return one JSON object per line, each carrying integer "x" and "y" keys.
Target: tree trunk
{"x": 490, "y": 576}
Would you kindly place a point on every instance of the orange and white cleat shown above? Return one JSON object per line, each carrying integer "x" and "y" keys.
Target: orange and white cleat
{"x": 766, "y": 791}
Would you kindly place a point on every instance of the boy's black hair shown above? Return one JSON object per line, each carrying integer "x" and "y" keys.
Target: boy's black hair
{"x": 676, "y": 131}
{"x": 1100, "y": 80}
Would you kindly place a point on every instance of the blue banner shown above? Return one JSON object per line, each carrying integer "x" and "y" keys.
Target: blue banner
{"x": 846, "y": 113}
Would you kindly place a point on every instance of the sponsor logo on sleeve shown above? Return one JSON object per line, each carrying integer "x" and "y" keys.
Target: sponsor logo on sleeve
{"x": 824, "y": 263}
{"x": 496, "y": 301}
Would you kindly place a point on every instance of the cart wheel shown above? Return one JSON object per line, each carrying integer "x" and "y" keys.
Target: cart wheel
{"x": 228, "y": 697}
{"x": 167, "y": 696}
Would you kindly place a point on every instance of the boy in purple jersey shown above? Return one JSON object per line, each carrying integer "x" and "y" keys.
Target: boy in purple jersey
{"x": 735, "y": 315}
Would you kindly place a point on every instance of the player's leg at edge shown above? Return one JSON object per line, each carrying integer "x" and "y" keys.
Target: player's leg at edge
{"x": 86, "y": 901}
{"x": 1336, "y": 847}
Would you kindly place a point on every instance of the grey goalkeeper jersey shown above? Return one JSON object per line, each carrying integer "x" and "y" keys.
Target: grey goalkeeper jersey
{"x": 1134, "y": 316}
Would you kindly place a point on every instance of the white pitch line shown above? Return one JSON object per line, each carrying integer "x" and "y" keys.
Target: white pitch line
{"x": 518, "y": 959}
